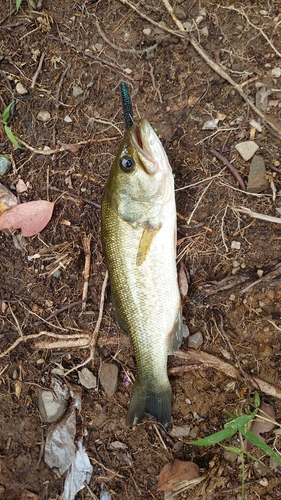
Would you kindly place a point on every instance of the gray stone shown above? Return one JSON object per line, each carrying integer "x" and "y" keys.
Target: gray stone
{"x": 108, "y": 375}
{"x": 247, "y": 149}
{"x": 43, "y": 115}
{"x": 5, "y": 165}
{"x": 87, "y": 378}
{"x": 180, "y": 431}
{"x": 180, "y": 13}
{"x": 195, "y": 341}
{"x": 20, "y": 89}
{"x": 262, "y": 98}
{"x": 257, "y": 181}
{"x": 77, "y": 91}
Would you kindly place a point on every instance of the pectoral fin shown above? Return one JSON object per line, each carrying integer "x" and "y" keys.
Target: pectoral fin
{"x": 145, "y": 243}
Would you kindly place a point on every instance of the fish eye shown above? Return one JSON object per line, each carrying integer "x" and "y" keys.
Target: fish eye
{"x": 127, "y": 164}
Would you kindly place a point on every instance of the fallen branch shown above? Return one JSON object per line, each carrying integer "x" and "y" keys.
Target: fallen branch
{"x": 209, "y": 361}
{"x": 256, "y": 215}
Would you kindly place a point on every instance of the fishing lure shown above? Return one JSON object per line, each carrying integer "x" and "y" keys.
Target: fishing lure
{"x": 127, "y": 105}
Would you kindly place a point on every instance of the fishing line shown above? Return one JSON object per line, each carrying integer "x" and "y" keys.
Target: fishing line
{"x": 127, "y": 105}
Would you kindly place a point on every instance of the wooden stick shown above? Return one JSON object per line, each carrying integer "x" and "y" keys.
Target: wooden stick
{"x": 210, "y": 361}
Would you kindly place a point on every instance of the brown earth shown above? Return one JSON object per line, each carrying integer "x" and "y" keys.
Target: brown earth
{"x": 177, "y": 91}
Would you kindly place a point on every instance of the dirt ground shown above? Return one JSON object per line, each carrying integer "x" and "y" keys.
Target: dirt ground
{"x": 88, "y": 49}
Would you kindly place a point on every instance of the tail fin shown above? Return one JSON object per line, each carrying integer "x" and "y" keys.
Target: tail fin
{"x": 156, "y": 402}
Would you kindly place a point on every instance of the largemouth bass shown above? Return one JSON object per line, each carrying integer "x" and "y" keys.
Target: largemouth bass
{"x": 139, "y": 241}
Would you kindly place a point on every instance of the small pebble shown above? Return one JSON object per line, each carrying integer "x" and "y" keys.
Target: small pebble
{"x": 194, "y": 432}
{"x": 195, "y": 341}
{"x": 257, "y": 178}
{"x": 5, "y": 165}
{"x": 235, "y": 263}
{"x": 180, "y": 13}
{"x": 180, "y": 431}
{"x": 43, "y": 115}
{"x": 247, "y": 149}
{"x": 147, "y": 31}
{"x": 235, "y": 245}
{"x": 276, "y": 72}
{"x": 20, "y": 89}
{"x": 256, "y": 125}
{"x": 99, "y": 46}
{"x": 187, "y": 26}
{"x": 210, "y": 124}
{"x": 77, "y": 91}
{"x": 67, "y": 119}
{"x": 260, "y": 273}
{"x": 108, "y": 375}
{"x": 87, "y": 378}
{"x": 53, "y": 403}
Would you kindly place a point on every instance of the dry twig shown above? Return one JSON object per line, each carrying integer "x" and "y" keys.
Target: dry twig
{"x": 209, "y": 361}
{"x": 86, "y": 272}
{"x": 33, "y": 82}
{"x": 215, "y": 67}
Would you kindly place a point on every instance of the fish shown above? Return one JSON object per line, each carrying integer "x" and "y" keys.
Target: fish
{"x": 138, "y": 232}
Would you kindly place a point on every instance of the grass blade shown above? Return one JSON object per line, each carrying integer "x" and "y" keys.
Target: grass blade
{"x": 261, "y": 445}
{"x": 215, "y": 438}
{"x": 11, "y": 136}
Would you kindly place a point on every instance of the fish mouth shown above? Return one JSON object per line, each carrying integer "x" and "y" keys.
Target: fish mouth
{"x": 140, "y": 139}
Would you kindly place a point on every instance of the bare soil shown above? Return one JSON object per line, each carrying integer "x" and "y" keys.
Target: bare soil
{"x": 177, "y": 91}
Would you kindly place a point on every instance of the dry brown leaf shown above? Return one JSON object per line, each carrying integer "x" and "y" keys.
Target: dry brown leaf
{"x": 174, "y": 472}
{"x": 73, "y": 148}
{"x": 264, "y": 422}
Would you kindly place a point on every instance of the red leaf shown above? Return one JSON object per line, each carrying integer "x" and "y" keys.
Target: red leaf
{"x": 31, "y": 217}
{"x": 176, "y": 471}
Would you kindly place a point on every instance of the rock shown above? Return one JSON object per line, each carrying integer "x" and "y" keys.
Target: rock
{"x": 247, "y": 149}
{"x": 99, "y": 46}
{"x": 180, "y": 13}
{"x": 256, "y": 125}
{"x": 261, "y": 98}
{"x": 210, "y": 124}
{"x": 194, "y": 432}
{"x": 147, "y": 31}
{"x": 87, "y": 379}
{"x": 77, "y": 91}
{"x": 276, "y": 72}
{"x": 20, "y": 89}
{"x": 235, "y": 245}
{"x": 108, "y": 375}
{"x": 52, "y": 404}
{"x": 195, "y": 341}
{"x": 180, "y": 431}
{"x": 5, "y": 165}
{"x": 43, "y": 115}
{"x": 68, "y": 119}
{"x": 257, "y": 181}
{"x": 187, "y": 26}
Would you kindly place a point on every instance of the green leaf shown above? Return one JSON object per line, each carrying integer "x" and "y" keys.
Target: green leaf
{"x": 261, "y": 445}
{"x": 6, "y": 113}
{"x": 18, "y": 3}
{"x": 241, "y": 421}
{"x": 11, "y": 136}
{"x": 214, "y": 438}
{"x": 257, "y": 400}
